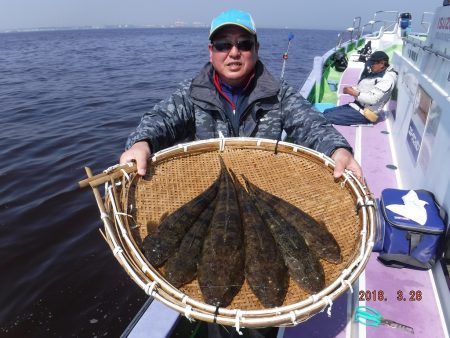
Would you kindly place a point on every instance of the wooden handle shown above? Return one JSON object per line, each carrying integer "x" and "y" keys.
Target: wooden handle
{"x": 97, "y": 195}
{"x": 101, "y": 178}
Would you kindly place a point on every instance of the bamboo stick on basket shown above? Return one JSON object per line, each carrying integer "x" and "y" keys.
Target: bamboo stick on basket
{"x": 116, "y": 172}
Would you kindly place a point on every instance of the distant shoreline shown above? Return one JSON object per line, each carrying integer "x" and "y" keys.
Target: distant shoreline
{"x": 67, "y": 28}
{"x": 74, "y": 28}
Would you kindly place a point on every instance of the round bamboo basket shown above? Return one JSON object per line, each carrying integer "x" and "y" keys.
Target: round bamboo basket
{"x": 133, "y": 206}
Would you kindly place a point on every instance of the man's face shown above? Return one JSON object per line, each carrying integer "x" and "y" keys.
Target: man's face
{"x": 234, "y": 65}
{"x": 378, "y": 66}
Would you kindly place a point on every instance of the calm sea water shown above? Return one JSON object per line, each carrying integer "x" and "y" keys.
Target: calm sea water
{"x": 69, "y": 99}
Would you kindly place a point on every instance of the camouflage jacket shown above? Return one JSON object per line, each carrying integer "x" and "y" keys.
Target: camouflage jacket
{"x": 196, "y": 111}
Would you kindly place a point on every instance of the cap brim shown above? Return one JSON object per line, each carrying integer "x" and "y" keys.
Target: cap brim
{"x": 230, "y": 24}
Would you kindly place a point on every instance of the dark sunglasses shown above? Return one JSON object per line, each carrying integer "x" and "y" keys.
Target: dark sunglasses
{"x": 225, "y": 45}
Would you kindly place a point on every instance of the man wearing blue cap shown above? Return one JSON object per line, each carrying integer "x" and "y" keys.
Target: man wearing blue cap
{"x": 373, "y": 91}
{"x": 234, "y": 95}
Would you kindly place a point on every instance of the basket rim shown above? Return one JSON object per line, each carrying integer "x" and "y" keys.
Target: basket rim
{"x": 153, "y": 283}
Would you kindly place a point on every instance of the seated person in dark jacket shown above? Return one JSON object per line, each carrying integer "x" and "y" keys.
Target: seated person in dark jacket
{"x": 372, "y": 92}
{"x": 235, "y": 95}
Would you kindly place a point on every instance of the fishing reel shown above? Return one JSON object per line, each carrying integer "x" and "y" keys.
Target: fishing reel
{"x": 364, "y": 53}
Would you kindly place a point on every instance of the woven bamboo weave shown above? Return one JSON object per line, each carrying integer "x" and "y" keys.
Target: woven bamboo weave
{"x": 300, "y": 176}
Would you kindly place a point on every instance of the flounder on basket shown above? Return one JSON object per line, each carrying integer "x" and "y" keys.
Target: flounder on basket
{"x": 316, "y": 235}
{"x": 221, "y": 267}
{"x": 265, "y": 271}
{"x": 161, "y": 244}
{"x": 181, "y": 268}
{"x": 304, "y": 266}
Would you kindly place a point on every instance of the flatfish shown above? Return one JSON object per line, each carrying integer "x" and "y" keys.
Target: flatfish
{"x": 161, "y": 244}
{"x": 265, "y": 271}
{"x": 181, "y": 268}
{"x": 221, "y": 268}
{"x": 304, "y": 266}
{"x": 316, "y": 235}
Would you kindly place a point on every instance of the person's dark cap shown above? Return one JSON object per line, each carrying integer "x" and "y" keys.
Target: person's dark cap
{"x": 378, "y": 56}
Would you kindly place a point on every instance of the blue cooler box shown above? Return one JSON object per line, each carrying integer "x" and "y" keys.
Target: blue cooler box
{"x": 403, "y": 242}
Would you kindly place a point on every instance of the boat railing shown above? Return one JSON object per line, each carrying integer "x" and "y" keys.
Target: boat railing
{"x": 355, "y": 33}
{"x": 379, "y": 26}
{"x": 364, "y": 27}
{"x": 378, "y": 33}
{"x": 426, "y": 24}
{"x": 389, "y": 24}
{"x": 339, "y": 40}
{"x": 382, "y": 22}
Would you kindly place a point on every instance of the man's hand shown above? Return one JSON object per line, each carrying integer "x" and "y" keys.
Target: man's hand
{"x": 139, "y": 152}
{"x": 344, "y": 160}
{"x": 351, "y": 91}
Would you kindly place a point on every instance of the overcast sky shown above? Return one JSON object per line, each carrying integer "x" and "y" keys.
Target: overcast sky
{"x": 315, "y": 14}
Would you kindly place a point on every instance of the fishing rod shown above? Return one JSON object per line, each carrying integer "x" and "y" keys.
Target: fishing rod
{"x": 286, "y": 55}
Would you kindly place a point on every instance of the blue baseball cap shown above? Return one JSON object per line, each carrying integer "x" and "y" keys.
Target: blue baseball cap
{"x": 233, "y": 17}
